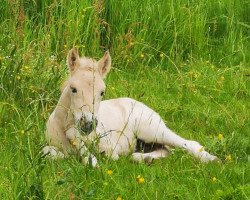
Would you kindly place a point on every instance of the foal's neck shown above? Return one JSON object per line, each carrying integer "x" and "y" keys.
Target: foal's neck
{"x": 62, "y": 110}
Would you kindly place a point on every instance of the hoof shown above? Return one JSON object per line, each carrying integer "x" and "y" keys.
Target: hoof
{"x": 91, "y": 161}
{"x": 216, "y": 160}
{"x": 148, "y": 160}
{"x": 52, "y": 152}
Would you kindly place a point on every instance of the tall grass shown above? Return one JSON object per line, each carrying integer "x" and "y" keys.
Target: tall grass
{"x": 188, "y": 60}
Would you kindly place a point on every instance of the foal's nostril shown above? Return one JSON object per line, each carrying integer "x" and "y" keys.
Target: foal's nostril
{"x": 82, "y": 121}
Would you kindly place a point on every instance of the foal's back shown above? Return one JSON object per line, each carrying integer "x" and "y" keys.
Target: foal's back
{"x": 127, "y": 115}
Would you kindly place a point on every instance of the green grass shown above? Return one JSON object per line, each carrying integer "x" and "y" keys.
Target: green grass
{"x": 188, "y": 60}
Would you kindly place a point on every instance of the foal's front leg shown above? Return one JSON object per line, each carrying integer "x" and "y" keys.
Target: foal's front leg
{"x": 75, "y": 140}
{"x": 52, "y": 152}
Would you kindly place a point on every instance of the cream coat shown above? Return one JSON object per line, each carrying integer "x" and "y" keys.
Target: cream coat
{"x": 120, "y": 121}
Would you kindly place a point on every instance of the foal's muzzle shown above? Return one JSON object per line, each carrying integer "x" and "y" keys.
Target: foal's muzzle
{"x": 86, "y": 126}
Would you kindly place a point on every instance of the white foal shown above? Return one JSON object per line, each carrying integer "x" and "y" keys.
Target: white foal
{"x": 114, "y": 126}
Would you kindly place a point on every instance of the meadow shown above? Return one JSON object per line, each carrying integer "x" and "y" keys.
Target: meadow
{"x": 188, "y": 60}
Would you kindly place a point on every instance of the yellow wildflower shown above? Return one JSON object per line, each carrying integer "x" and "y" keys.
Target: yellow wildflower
{"x": 142, "y": 55}
{"x": 190, "y": 73}
{"x": 26, "y": 67}
{"x": 18, "y": 77}
{"x": 228, "y": 157}
{"x": 213, "y": 179}
{"x": 220, "y": 136}
{"x": 22, "y": 132}
{"x": 222, "y": 78}
{"x": 140, "y": 179}
{"x": 161, "y": 55}
{"x": 65, "y": 46}
{"x": 109, "y": 172}
{"x": 73, "y": 142}
{"x": 201, "y": 149}
{"x": 61, "y": 173}
{"x": 118, "y": 198}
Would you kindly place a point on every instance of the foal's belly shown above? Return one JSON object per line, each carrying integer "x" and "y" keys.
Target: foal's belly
{"x": 121, "y": 121}
{"x": 113, "y": 127}
{"x": 117, "y": 143}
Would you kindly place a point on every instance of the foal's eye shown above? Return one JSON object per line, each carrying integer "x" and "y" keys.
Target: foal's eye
{"x": 74, "y": 90}
{"x": 102, "y": 93}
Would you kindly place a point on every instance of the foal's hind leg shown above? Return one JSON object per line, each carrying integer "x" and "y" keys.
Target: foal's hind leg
{"x": 149, "y": 157}
{"x": 152, "y": 129}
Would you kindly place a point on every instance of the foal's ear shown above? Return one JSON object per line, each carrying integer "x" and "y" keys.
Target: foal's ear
{"x": 104, "y": 64}
{"x": 73, "y": 59}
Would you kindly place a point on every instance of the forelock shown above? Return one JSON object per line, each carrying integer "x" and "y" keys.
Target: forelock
{"x": 87, "y": 63}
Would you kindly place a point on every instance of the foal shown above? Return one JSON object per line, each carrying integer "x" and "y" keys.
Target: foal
{"x": 114, "y": 127}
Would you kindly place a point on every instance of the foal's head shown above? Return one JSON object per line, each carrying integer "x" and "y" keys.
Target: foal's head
{"x": 86, "y": 87}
